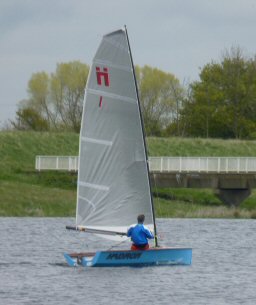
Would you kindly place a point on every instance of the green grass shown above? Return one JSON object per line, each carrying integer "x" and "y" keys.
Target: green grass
{"x": 18, "y": 149}
{"x": 197, "y": 147}
{"x": 22, "y": 199}
{"x": 199, "y": 203}
{"x": 25, "y": 192}
{"x": 180, "y": 209}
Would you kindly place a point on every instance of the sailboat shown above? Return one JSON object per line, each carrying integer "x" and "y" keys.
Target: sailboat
{"x": 113, "y": 178}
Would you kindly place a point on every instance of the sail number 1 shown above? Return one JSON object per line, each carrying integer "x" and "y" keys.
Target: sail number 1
{"x": 102, "y": 75}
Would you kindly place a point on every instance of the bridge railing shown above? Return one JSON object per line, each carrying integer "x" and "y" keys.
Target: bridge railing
{"x": 164, "y": 164}
{"x": 203, "y": 164}
{"x": 69, "y": 163}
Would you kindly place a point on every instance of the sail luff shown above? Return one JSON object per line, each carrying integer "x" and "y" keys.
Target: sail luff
{"x": 80, "y": 144}
{"x": 144, "y": 140}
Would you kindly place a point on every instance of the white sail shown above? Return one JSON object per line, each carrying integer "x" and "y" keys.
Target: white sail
{"x": 113, "y": 180}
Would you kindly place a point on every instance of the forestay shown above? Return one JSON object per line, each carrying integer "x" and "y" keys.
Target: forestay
{"x": 113, "y": 180}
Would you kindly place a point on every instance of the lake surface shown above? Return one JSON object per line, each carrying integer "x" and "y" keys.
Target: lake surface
{"x": 33, "y": 271}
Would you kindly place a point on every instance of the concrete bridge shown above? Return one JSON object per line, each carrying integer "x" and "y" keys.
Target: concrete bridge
{"x": 232, "y": 178}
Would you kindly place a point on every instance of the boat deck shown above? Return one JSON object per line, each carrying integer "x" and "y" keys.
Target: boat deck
{"x": 90, "y": 254}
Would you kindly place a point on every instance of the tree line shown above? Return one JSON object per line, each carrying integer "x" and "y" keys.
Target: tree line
{"x": 221, "y": 104}
{"x": 54, "y": 101}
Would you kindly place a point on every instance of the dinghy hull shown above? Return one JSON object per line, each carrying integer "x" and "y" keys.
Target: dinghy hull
{"x": 154, "y": 256}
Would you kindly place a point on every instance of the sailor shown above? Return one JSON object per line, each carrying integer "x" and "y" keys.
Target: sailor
{"x": 139, "y": 235}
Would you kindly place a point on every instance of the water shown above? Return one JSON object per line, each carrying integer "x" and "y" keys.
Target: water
{"x": 32, "y": 268}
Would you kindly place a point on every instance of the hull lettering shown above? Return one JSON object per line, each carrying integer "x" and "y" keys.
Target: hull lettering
{"x": 114, "y": 256}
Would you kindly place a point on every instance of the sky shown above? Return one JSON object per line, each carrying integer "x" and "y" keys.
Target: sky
{"x": 176, "y": 36}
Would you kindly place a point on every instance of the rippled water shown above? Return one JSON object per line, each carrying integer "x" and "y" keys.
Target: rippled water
{"x": 33, "y": 271}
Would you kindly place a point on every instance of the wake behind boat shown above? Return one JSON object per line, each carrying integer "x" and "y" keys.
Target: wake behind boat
{"x": 113, "y": 176}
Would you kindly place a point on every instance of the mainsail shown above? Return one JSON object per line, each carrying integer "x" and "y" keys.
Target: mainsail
{"x": 113, "y": 178}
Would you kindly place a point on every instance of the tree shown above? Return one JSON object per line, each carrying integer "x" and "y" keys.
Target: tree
{"x": 30, "y": 119}
{"x": 57, "y": 98}
{"x": 38, "y": 90}
{"x": 67, "y": 92}
{"x": 223, "y": 101}
{"x": 160, "y": 96}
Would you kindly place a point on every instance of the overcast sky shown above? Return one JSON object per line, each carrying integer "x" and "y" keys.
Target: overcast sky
{"x": 176, "y": 36}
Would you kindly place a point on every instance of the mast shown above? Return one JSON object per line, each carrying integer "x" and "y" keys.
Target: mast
{"x": 144, "y": 141}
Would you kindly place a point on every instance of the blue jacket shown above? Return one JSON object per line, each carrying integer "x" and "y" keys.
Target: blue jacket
{"x": 139, "y": 234}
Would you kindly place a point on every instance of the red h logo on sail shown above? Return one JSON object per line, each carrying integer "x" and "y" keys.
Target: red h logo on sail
{"x": 102, "y": 74}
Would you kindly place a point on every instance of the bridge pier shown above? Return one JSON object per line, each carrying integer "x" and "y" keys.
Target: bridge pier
{"x": 231, "y": 189}
{"x": 233, "y": 197}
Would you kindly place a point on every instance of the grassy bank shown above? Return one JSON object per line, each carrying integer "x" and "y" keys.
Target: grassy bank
{"x": 24, "y": 192}
{"x": 197, "y": 147}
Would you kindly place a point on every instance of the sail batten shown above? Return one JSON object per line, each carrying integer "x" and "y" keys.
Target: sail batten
{"x": 111, "y": 95}
{"x": 113, "y": 186}
{"x": 94, "y": 186}
{"x": 112, "y": 65}
{"x": 97, "y": 141}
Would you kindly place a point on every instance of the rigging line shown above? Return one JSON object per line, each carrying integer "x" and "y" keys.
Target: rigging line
{"x": 157, "y": 194}
{"x": 158, "y": 203}
{"x": 116, "y": 245}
